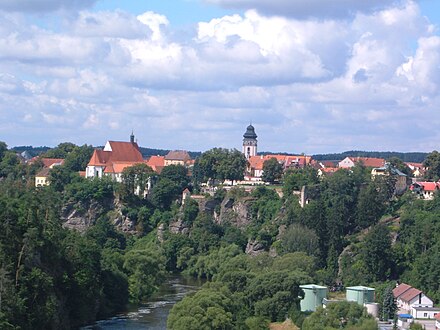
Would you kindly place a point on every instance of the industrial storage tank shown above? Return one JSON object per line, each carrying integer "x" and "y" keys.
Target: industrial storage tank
{"x": 372, "y": 309}
{"x": 361, "y": 294}
{"x": 313, "y": 296}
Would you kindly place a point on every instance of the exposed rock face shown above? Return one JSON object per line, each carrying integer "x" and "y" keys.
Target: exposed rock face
{"x": 236, "y": 213}
{"x": 254, "y": 248}
{"x": 80, "y": 216}
{"x": 178, "y": 227}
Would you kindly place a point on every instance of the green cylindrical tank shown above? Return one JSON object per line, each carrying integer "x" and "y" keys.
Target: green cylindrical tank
{"x": 360, "y": 294}
{"x": 313, "y": 296}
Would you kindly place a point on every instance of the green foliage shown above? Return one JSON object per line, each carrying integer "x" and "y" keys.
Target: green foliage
{"x": 135, "y": 180}
{"x": 338, "y": 315}
{"x": 165, "y": 192}
{"x": 146, "y": 271}
{"x": 176, "y": 173}
{"x": 295, "y": 179}
{"x": 299, "y": 238}
{"x": 220, "y": 164}
{"x": 77, "y": 158}
{"x": 432, "y": 162}
{"x": 272, "y": 170}
{"x": 60, "y": 151}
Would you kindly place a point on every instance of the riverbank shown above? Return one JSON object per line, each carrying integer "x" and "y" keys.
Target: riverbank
{"x": 153, "y": 313}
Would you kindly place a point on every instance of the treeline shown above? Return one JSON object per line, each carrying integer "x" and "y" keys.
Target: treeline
{"x": 146, "y": 152}
{"x": 414, "y": 157}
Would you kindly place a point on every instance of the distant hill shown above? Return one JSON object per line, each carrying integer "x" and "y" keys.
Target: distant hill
{"x": 33, "y": 151}
{"x": 414, "y": 157}
{"x": 146, "y": 152}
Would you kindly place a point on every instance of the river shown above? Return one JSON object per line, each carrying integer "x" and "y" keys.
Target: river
{"x": 152, "y": 314}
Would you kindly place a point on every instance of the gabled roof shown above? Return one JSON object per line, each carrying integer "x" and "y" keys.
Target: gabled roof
{"x": 399, "y": 290}
{"x": 120, "y": 152}
{"x": 369, "y": 161}
{"x": 410, "y": 294}
{"x": 50, "y": 162}
{"x": 256, "y": 162}
{"x": 43, "y": 173}
{"x": 156, "y": 161}
{"x": 426, "y": 186}
{"x": 125, "y": 151}
{"x": 118, "y": 167}
{"x": 180, "y": 155}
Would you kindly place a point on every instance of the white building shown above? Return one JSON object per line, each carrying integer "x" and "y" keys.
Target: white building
{"x": 249, "y": 142}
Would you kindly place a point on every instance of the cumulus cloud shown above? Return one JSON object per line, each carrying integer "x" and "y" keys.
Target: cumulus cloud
{"x": 304, "y": 9}
{"x": 307, "y": 85}
{"x": 39, "y": 6}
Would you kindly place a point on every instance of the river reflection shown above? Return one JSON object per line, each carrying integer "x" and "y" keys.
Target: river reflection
{"x": 152, "y": 314}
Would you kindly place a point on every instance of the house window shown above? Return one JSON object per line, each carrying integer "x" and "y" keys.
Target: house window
{"x": 425, "y": 314}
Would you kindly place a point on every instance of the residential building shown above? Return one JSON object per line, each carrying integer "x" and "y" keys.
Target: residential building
{"x": 414, "y": 301}
{"x": 177, "y": 157}
{"x": 157, "y": 163}
{"x": 41, "y": 178}
{"x": 401, "y": 178}
{"x": 425, "y": 190}
{"x": 349, "y": 162}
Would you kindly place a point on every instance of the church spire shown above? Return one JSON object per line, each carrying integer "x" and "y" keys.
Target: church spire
{"x": 132, "y": 137}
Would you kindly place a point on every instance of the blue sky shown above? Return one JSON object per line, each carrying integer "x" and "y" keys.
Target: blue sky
{"x": 313, "y": 76}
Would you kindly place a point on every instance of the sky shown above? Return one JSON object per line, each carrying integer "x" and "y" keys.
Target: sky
{"x": 312, "y": 76}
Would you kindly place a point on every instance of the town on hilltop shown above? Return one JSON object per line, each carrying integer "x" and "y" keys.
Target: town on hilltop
{"x": 116, "y": 156}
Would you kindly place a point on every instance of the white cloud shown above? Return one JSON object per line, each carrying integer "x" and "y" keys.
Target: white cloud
{"x": 307, "y": 85}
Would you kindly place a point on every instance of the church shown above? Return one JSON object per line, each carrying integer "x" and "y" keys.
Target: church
{"x": 254, "y": 170}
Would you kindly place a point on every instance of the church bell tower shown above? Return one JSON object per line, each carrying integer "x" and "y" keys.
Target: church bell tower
{"x": 250, "y": 142}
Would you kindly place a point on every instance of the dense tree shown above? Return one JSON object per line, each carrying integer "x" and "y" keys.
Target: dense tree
{"x": 176, "y": 173}
{"x": 135, "y": 179}
{"x": 294, "y": 179}
{"x": 432, "y": 162}
{"x": 60, "y": 151}
{"x": 343, "y": 314}
{"x": 272, "y": 170}
{"x": 78, "y": 158}
{"x": 377, "y": 253}
{"x": 298, "y": 238}
{"x": 221, "y": 164}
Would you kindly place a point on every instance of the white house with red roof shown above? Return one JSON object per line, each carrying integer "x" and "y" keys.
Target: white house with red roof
{"x": 41, "y": 178}
{"x": 415, "y": 302}
{"x": 424, "y": 189}
{"x": 113, "y": 159}
{"x": 349, "y": 162}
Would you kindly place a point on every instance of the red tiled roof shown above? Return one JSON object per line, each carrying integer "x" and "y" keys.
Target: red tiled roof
{"x": 125, "y": 151}
{"x": 180, "y": 155}
{"x": 399, "y": 290}
{"x": 369, "y": 162}
{"x": 428, "y": 186}
{"x": 156, "y": 161}
{"x": 118, "y": 167}
{"x": 256, "y": 162}
{"x": 82, "y": 174}
{"x": 48, "y": 162}
{"x": 121, "y": 152}
{"x": 410, "y": 294}
{"x": 44, "y": 172}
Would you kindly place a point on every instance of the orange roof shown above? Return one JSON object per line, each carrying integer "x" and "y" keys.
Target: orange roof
{"x": 156, "y": 161}
{"x": 400, "y": 289}
{"x": 118, "y": 167}
{"x": 369, "y": 161}
{"x": 256, "y": 162}
{"x": 410, "y": 294}
{"x": 49, "y": 162}
{"x": 120, "y": 152}
{"x": 44, "y": 172}
{"x": 428, "y": 186}
{"x": 82, "y": 174}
